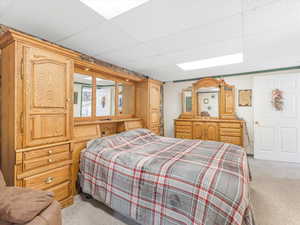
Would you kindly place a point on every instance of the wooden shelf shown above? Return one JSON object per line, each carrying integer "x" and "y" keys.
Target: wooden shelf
{"x": 78, "y": 123}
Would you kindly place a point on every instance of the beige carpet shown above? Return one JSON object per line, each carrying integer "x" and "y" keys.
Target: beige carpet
{"x": 275, "y": 196}
{"x": 276, "y": 201}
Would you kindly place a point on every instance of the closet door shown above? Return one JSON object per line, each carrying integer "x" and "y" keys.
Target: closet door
{"x": 47, "y": 109}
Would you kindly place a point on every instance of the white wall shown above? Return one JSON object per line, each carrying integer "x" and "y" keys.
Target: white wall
{"x": 173, "y": 104}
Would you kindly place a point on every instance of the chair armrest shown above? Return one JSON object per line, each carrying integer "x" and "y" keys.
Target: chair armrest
{"x": 2, "y": 181}
{"x": 50, "y": 216}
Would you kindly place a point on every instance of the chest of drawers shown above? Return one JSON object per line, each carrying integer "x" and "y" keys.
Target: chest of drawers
{"x": 47, "y": 168}
{"x": 228, "y": 131}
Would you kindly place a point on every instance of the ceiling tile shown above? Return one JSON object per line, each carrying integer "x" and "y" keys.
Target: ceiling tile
{"x": 132, "y": 53}
{"x": 204, "y": 35}
{"x": 208, "y": 51}
{"x": 99, "y": 38}
{"x": 279, "y": 16}
{"x": 51, "y": 20}
{"x": 255, "y": 4}
{"x": 164, "y": 17}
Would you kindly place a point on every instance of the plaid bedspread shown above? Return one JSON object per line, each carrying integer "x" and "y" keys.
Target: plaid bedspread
{"x": 167, "y": 181}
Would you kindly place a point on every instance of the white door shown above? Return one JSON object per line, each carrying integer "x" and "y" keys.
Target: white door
{"x": 277, "y": 133}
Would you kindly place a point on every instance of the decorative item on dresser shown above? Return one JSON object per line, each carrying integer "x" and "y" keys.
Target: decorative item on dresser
{"x": 53, "y": 101}
{"x": 212, "y": 115}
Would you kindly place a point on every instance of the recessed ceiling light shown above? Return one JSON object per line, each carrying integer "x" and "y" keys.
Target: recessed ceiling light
{"x": 112, "y": 8}
{"x": 213, "y": 62}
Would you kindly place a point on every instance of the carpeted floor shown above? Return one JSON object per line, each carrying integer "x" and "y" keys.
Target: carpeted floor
{"x": 275, "y": 192}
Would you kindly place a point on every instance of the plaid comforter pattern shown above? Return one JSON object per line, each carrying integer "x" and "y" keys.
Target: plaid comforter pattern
{"x": 167, "y": 181}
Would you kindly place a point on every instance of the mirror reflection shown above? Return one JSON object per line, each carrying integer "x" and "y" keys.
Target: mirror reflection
{"x": 82, "y": 95}
{"x": 105, "y": 97}
{"x": 208, "y": 102}
{"x": 126, "y": 102}
{"x": 187, "y": 100}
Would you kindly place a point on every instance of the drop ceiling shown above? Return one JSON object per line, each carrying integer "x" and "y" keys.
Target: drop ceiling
{"x": 151, "y": 39}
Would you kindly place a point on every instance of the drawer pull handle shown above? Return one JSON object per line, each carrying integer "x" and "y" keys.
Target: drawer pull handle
{"x": 51, "y": 160}
{"x": 49, "y": 180}
{"x": 50, "y": 151}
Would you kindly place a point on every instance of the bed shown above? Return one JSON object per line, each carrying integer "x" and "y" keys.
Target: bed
{"x": 166, "y": 181}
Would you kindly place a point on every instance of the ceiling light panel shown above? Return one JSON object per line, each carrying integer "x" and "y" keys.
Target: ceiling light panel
{"x": 112, "y": 8}
{"x": 213, "y": 62}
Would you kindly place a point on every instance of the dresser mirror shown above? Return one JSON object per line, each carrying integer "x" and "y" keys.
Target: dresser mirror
{"x": 208, "y": 101}
{"x": 126, "y": 96}
{"x": 208, "y": 98}
{"x": 105, "y": 97}
{"x": 187, "y": 100}
{"x": 83, "y": 95}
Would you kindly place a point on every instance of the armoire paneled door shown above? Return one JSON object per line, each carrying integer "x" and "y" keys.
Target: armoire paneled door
{"x": 47, "y": 97}
{"x": 155, "y": 107}
{"x": 277, "y": 133}
{"x": 148, "y": 100}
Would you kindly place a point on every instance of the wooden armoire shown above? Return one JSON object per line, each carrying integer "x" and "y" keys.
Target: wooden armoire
{"x": 149, "y": 94}
{"x": 211, "y": 113}
{"x": 41, "y": 139}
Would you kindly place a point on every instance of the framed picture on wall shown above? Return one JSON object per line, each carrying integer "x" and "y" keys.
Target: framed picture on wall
{"x": 245, "y": 98}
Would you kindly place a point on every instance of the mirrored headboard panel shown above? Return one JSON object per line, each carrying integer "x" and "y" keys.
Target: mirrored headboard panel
{"x": 100, "y": 96}
{"x": 83, "y": 92}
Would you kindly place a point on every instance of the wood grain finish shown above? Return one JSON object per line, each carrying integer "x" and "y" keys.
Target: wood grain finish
{"x": 230, "y": 132}
{"x": 61, "y": 191}
{"x": 184, "y": 135}
{"x": 199, "y": 130}
{"x": 88, "y": 130}
{"x": 225, "y": 128}
{"x": 44, "y": 161}
{"x": 8, "y": 107}
{"x": 47, "y": 97}
{"x": 131, "y": 125}
{"x": 148, "y": 100}
{"x": 48, "y": 179}
{"x": 48, "y": 151}
{"x": 40, "y": 142}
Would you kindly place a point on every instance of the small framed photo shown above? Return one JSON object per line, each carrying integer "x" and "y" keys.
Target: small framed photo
{"x": 245, "y": 98}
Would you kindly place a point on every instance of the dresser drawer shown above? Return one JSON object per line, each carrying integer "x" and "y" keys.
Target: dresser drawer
{"x": 184, "y": 135}
{"x": 235, "y": 132}
{"x": 230, "y": 125}
{"x": 61, "y": 191}
{"x": 183, "y": 123}
{"x": 48, "y": 179}
{"x": 46, "y": 151}
{"x": 45, "y": 161}
{"x": 231, "y": 140}
{"x": 184, "y": 129}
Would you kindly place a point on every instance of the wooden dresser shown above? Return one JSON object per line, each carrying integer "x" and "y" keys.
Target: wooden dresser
{"x": 211, "y": 115}
{"x": 229, "y": 131}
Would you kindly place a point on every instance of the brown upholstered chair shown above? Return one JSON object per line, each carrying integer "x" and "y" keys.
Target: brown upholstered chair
{"x": 49, "y": 216}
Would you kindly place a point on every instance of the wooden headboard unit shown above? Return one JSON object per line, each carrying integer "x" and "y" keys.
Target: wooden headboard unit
{"x": 41, "y": 142}
{"x": 86, "y": 131}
